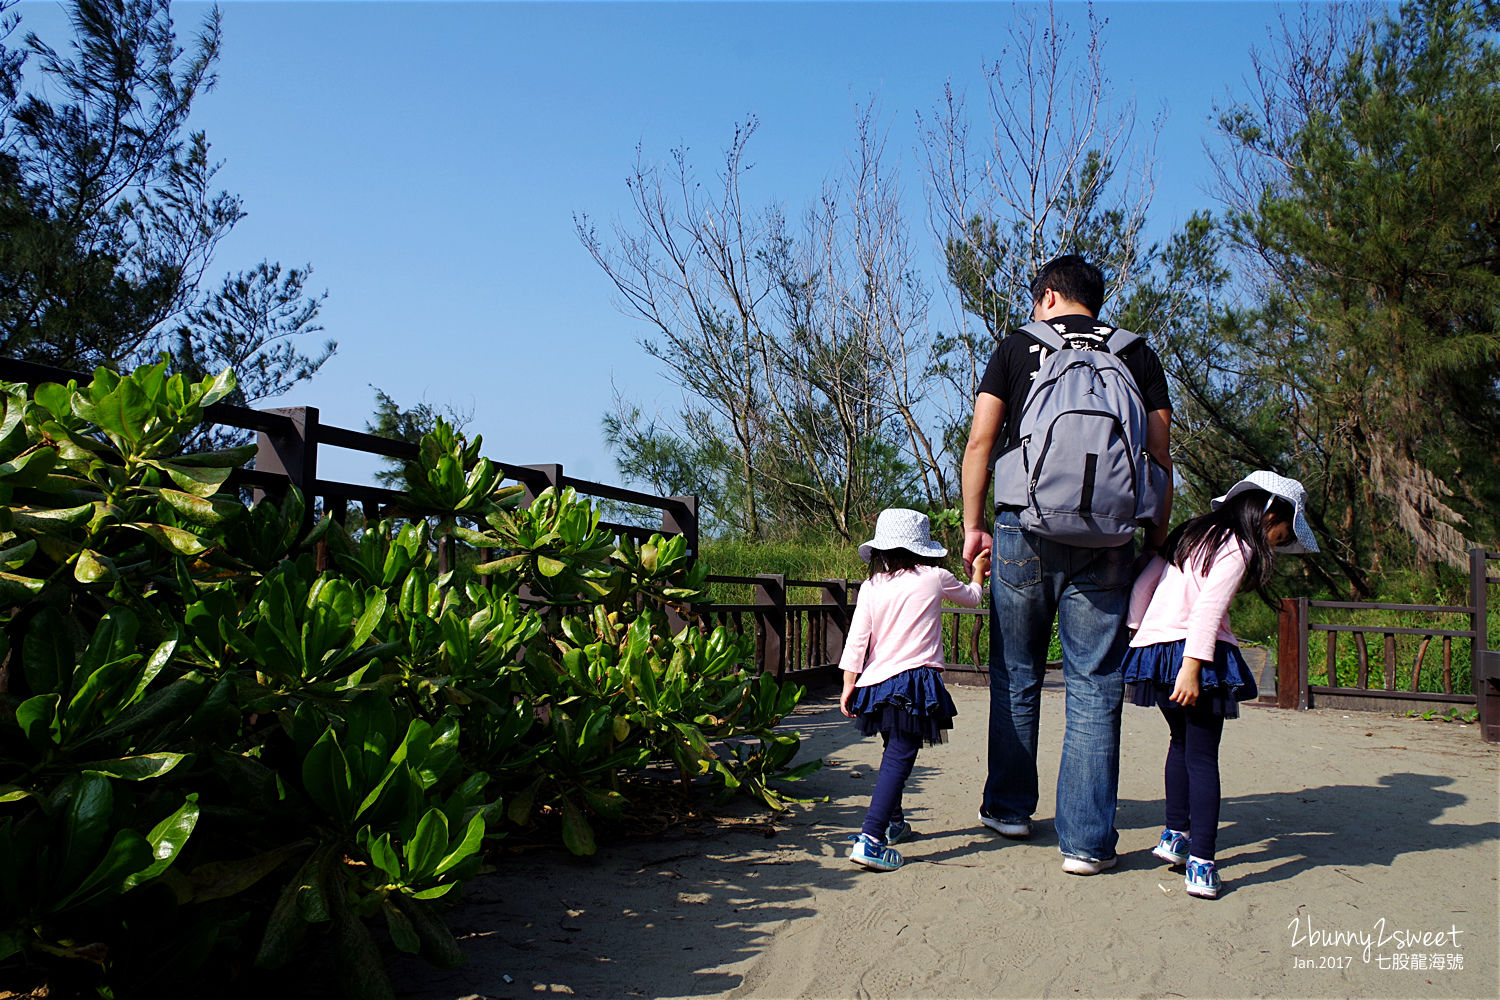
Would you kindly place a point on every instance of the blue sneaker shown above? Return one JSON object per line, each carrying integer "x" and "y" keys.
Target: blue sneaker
{"x": 1173, "y": 848}
{"x": 874, "y": 856}
{"x": 1202, "y": 879}
{"x": 897, "y": 831}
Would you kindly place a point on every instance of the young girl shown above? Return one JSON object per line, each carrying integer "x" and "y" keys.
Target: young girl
{"x": 1185, "y": 661}
{"x": 892, "y": 665}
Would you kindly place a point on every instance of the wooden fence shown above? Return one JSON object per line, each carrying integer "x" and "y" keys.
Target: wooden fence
{"x": 1387, "y": 680}
{"x": 802, "y": 640}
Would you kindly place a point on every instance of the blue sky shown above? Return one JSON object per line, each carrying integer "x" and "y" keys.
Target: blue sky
{"x": 427, "y": 159}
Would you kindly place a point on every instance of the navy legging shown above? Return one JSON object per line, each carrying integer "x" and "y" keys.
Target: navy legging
{"x": 895, "y": 767}
{"x": 1192, "y": 773}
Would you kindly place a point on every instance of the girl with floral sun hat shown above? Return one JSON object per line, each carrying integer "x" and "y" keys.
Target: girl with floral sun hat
{"x": 1186, "y": 662}
{"x": 893, "y": 661}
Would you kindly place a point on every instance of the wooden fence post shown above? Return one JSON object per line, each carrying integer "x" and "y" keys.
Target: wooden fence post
{"x": 293, "y": 454}
{"x": 683, "y": 521}
{"x": 770, "y": 600}
{"x": 1286, "y": 654}
{"x": 552, "y": 472}
{"x": 836, "y": 624}
{"x": 1485, "y": 671}
{"x": 1304, "y": 696}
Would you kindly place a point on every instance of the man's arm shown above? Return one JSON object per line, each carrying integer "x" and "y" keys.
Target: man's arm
{"x": 989, "y": 415}
{"x": 1159, "y": 445}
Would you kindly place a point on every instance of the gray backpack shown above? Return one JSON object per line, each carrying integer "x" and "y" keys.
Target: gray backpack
{"x": 1080, "y": 472}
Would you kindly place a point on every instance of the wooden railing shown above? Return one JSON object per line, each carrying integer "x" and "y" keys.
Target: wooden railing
{"x": 804, "y": 639}
{"x": 1387, "y": 680}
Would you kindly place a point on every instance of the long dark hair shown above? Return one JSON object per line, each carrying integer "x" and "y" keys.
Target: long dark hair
{"x": 897, "y": 560}
{"x": 1192, "y": 544}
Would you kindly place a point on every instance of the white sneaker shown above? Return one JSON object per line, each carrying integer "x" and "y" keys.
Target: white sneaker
{"x": 1016, "y": 829}
{"x": 1084, "y": 866}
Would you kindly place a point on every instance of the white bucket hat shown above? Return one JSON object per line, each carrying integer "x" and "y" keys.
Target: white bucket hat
{"x": 899, "y": 528}
{"x": 1287, "y": 489}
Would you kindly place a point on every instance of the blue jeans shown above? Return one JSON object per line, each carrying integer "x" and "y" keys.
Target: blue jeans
{"x": 1087, "y": 590}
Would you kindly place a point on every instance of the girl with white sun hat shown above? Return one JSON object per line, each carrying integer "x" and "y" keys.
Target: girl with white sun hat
{"x": 893, "y": 661}
{"x": 1184, "y": 660}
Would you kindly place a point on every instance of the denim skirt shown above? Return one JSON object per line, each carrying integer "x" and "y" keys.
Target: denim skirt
{"x": 1223, "y": 684}
{"x": 914, "y": 704}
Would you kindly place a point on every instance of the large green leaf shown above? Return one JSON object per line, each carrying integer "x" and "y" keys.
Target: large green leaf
{"x": 286, "y": 929}
{"x": 166, "y": 840}
{"x": 129, "y": 852}
{"x": 325, "y": 773}
{"x": 216, "y": 388}
{"x": 200, "y": 510}
{"x": 385, "y": 857}
{"x": 472, "y": 839}
{"x": 374, "y": 613}
{"x": 519, "y": 809}
{"x": 140, "y": 768}
{"x": 51, "y": 521}
{"x": 229, "y": 458}
{"x": 577, "y": 834}
{"x": 30, "y": 468}
{"x": 37, "y": 718}
{"x": 361, "y": 971}
{"x": 173, "y": 539}
{"x": 427, "y": 847}
{"x": 437, "y": 943}
{"x": 86, "y": 824}
{"x": 16, "y": 589}
{"x": 91, "y": 567}
{"x": 173, "y": 703}
{"x": 158, "y": 659}
{"x": 101, "y": 697}
{"x": 221, "y": 879}
{"x": 508, "y": 564}
{"x": 47, "y": 653}
{"x": 403, "y": 934}
{"x": 198, "y": 480}
{"x": 18, "y": 555}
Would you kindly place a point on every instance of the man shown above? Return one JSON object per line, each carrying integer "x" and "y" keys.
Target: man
{"x": 1034, "y": 579}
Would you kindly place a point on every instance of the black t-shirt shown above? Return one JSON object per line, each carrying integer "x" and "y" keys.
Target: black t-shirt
{"x": 1018, "y": 358}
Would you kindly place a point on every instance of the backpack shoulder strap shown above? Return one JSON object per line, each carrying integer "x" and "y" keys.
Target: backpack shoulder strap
{"x": 1043, "y": 334}
{"x": 1120, "y": 340}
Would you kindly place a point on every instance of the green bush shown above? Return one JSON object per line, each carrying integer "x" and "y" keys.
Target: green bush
{"x": 211, "y": 748}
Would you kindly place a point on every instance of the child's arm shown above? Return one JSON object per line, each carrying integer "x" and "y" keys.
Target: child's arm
{"x": 968, "y": 594}
{"x": 1145, "y": 586}
{"x": 848, "y": 693}
{"x": 856, "y": 649}
{"x": 1185, "y": 691}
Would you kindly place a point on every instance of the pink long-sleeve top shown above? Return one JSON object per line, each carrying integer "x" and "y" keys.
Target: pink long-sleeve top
{"x": 1168, "y": 603}
{"x": 898, "y": 622}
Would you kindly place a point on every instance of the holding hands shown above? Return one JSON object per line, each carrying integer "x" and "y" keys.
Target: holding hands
{"x": 980, "y": 566}
{"x": 976, "y": 540}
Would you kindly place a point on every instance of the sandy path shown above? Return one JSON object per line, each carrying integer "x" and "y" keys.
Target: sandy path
{"x": 1338, "y": 830}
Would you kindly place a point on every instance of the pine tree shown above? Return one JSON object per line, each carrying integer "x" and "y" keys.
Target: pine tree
{"x": 111, "y": 214}
{"x": 1370, "y": 218}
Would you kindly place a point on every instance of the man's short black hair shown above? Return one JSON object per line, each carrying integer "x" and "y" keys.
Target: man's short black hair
{"x": 1072, "y": 277}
